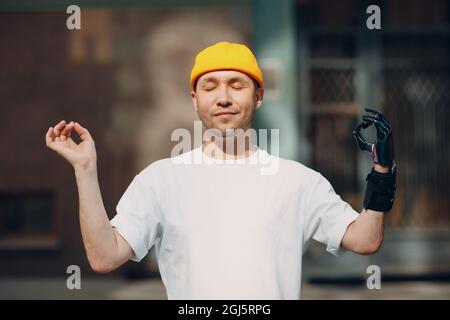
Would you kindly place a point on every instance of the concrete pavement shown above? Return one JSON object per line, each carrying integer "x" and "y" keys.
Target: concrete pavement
{"x": 105, "y": 287}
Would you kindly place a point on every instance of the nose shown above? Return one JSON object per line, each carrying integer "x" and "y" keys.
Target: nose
{"x": 223, "y": 99}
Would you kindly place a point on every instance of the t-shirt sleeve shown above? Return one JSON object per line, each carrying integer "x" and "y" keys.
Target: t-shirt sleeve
{"x": 327, "y": 215}
{"x": 137, "y": 219}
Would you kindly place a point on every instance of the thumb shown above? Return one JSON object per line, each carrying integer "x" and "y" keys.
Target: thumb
{"x": 81, "y": 131}
{"x": 361, "y": 142}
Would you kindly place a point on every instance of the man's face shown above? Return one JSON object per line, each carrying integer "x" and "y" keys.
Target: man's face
{"x": 226, "y": 99}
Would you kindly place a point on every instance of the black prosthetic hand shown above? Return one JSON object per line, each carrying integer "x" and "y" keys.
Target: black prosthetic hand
{"x": 380, "y": 191}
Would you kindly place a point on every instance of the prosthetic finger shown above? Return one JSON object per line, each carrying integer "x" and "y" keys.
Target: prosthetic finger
{"x": 382, "y": 131}
{"x": 385, "y": 122}
{"x": 372, "y": 111}
{"x": 362, "y": 143}
{"x": 382, "y": 128}
{"x": 373, "y": 118}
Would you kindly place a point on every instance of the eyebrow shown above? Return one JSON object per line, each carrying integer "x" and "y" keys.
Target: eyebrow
{"x": 209, "y": 79}
{"x": 233, "y": 79}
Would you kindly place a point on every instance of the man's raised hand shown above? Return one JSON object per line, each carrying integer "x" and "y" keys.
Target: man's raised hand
{"x": 382, "y": 150}
{"x": 82, "y": 155}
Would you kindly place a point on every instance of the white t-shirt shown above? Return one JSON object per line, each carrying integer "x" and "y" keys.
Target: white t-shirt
{"x": 226, "y": 231}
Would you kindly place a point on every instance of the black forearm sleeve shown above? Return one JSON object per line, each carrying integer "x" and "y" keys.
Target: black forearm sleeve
{"x": 380, "y": 191}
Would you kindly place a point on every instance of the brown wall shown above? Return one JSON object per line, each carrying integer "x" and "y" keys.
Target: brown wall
{"x": 124, "y": 77}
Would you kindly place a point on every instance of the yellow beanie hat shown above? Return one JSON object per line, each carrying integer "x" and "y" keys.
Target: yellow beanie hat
{"x": 226, "y": 56}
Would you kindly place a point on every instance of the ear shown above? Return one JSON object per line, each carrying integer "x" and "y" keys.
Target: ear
{"x": 259, "y": 95}
{"x": 194, "y": 100}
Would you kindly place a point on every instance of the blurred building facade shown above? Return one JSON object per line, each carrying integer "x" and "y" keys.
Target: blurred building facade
{"x": 124, "y": 76}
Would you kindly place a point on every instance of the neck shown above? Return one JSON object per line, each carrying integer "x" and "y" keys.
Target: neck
{"x": 241, "y": 145}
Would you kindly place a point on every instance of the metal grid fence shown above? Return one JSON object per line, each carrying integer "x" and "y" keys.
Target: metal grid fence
{"x": 414, "y": 74}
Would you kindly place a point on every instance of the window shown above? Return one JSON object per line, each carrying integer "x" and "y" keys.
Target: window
{"x": 26, "y": 220}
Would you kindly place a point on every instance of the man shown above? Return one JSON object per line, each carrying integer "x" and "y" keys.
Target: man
{"x": 223, "y": 230}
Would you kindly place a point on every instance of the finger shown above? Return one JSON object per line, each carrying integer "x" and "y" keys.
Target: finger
{"x": 376, "y": 119}
{"x": 67, "y": 131}
{"x": 49, "y": 138}
{"x": 358, "y": 128}
{"x": 82, "y": 132}
{"x": 366, "y": 123}
{"x": 381, "y": 131}
{"x": 358, "y": 135}
{"x": 59, "y": 127}
{"x": 372, "y": 111}
{"x": 381, "y": 128}
{"x": 385, "y": 122}
{"x": 362, "y": 143}
{"x": 52, "y": 141}
{"x": 370, "y": 118}
{"x": 380, "y": 117}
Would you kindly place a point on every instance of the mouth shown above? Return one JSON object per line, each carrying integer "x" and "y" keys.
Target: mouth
{"x": 225, "y": 114}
